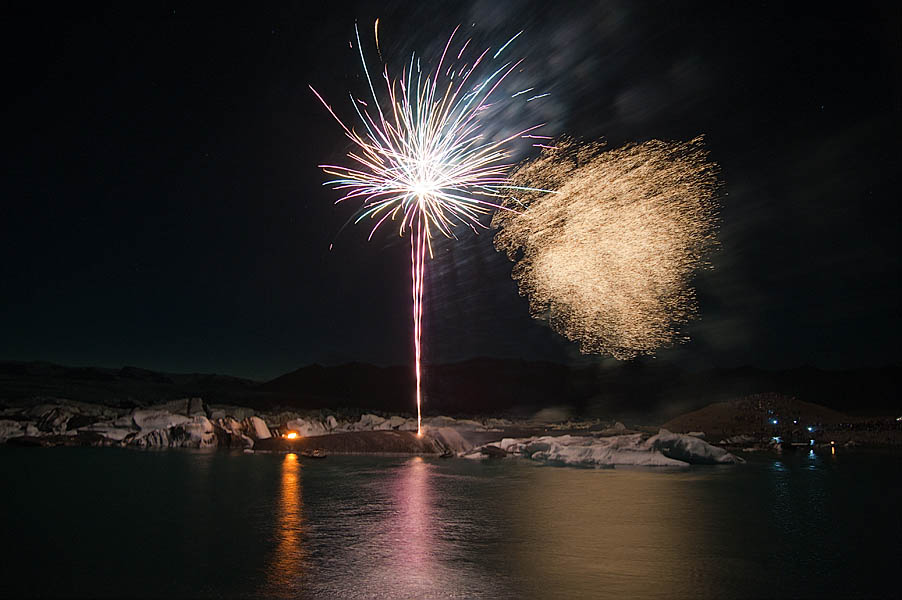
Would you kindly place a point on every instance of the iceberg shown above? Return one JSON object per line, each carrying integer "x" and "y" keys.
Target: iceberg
{"x": 368, "y": 422}
{"x": 230, "y": 434}
{"x": 690, "y": 449}
{"x": 151, "y": 419}
{"x": 257, "y": 428}
{"x": 197, "y": 433}
{"x": 306, "y": 428}
{"x": 449, "y": 438}
{"x": 589, "y": 451}
{"x": 665, "y": 449}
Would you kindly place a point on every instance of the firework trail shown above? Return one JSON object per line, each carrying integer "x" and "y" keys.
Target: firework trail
{"x": 608, "y": 258}
{"x": 419, "y": 158}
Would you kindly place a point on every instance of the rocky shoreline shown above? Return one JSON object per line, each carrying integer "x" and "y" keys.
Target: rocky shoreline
{"x": 709, "y": 436}
{"x": 191, "y": 423}
{"x": 185, "y": 423}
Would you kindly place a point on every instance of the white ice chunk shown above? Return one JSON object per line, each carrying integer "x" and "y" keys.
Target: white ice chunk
{"x": 589, "y": 451}
{"x": 306, "y": 428}
{"x": 197, "y": 433}
{"x": 368, "y": 422}
{"x": 155, "y": 418}
{"x": 663, "y": 450}
{"x": 257, "y": 428}
{"x": 690, "y": 449}
{"x": 450, "y": 438}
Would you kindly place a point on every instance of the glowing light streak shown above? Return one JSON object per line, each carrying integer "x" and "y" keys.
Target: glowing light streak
{"x": 500, "y": 50}
{"x": 376, "y": 33}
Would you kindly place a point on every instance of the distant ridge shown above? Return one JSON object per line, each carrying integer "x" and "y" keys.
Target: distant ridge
{"x": 646, "y": 390}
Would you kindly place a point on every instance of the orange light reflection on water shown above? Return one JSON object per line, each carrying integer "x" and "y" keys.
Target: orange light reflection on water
{"x": 286, "y": 564}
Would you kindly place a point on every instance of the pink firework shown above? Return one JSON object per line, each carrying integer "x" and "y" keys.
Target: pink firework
{"x": 420, "y": 158}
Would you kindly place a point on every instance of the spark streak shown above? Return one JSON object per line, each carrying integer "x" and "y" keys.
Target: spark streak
{"x": 421, "y": 159}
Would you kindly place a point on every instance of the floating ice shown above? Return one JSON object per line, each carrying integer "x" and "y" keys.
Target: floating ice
{"x": 450, "y": 439}
{"x": 258, "y": 429}
{"x": 152, "y": 419}
{"x": 690, "y": 449}
{"x": 306, "y": 428}
{"x": 665, "y": 449}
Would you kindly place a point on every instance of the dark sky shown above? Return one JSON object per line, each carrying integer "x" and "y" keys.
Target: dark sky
{"x": 161, "y": 204}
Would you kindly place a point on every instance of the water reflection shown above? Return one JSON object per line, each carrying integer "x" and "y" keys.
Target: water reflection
{"x": 414, "y": 553}
{"x": 800, "y": 516}
{"x": 631, "y": 534}
{"x": 286, "y": 566}
{"x": 404, "y": 533}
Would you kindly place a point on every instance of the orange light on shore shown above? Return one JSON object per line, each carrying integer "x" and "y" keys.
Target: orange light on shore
{"x": 291, "y": 435}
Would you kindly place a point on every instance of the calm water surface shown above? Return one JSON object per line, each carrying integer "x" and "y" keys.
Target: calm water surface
{"x": 107, "y": 522}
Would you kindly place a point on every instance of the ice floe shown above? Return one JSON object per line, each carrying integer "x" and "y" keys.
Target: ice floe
{"x": 665, "y": 449}
{"x": 690, "y": 449}
{"x": 257, "y": 428}
{"x": 149, "y": 420}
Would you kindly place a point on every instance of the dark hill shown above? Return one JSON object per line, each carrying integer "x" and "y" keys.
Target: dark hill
{"x": 128, "y": 386}
{"x": 473, "y": 386}
{"x": 643, "y": 390}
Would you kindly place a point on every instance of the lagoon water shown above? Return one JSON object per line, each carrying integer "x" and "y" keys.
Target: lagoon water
{"x": 92, "y": 522}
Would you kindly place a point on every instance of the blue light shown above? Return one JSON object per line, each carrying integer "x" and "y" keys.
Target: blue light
{"x": 810, "y": 428}
{"x": 774, "y": 421}
{"x": 812, "y": 443}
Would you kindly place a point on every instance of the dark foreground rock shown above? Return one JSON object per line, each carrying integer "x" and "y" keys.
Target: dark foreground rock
{"x": 357, "y": 442}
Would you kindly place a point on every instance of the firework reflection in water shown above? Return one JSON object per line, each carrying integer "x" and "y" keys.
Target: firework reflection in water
{"x": 608, "y": 259}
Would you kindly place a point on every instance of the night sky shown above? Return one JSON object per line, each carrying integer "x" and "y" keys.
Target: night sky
{"x": 162, "y": 205}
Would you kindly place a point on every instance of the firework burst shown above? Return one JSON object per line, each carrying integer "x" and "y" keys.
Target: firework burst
{"x": 419, "y": 158}
{"x": 608, "y": 259}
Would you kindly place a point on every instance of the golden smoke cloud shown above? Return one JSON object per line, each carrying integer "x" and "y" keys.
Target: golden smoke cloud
{"x": 609, "y": 257}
